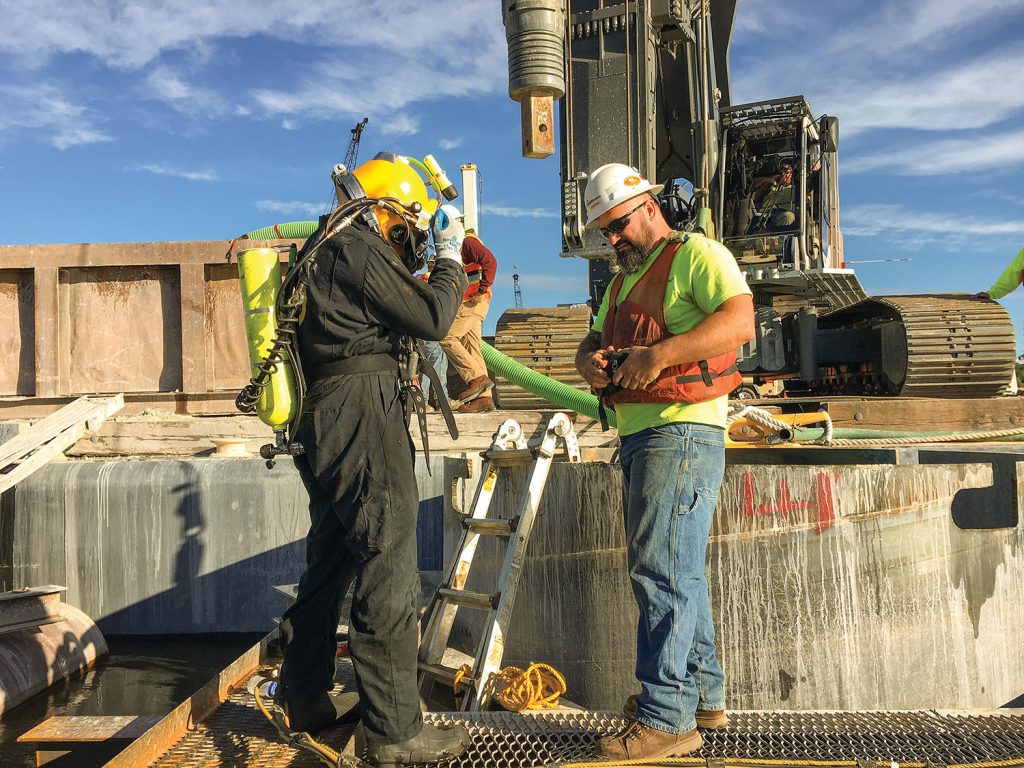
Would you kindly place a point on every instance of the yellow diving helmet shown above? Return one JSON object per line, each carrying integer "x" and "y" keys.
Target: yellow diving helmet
{"x": 389, "y": 175}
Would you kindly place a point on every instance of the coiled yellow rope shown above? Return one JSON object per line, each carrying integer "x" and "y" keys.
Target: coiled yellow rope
{"x": 537, "y": 687}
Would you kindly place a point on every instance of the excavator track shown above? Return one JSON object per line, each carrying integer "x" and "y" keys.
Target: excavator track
{"x": 938, "y": 345}
{"x": 544, "y": 340}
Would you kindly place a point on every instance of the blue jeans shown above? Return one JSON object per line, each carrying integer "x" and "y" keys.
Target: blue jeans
{"x": 672, "y": 475}
{"x": 437, "y": 358}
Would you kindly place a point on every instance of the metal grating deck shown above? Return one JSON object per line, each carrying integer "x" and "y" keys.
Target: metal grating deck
{"x": 237, "y": 735}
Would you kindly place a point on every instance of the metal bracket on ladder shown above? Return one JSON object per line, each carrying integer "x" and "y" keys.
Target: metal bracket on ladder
{"x": 508, "y": 449}
{"x": 27, "y": 451}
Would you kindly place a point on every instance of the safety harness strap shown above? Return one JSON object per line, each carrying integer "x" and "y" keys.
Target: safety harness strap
{"x": 705, "y": 374}
{"x": 435, "y": 382}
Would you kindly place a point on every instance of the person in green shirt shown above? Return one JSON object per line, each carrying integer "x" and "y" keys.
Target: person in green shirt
{"x": 1004, "y": 285}
{"x": 680, "y": 301}
{"x": 1007, "y": 282}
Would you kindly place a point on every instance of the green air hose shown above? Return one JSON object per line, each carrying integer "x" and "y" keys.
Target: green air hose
{"x": 553, "y": 391}
{"x": 293, "y": 229}
{"x": 572, "y": 399}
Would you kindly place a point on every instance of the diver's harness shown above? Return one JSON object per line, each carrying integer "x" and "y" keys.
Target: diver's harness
{"x": 288, "y": 311}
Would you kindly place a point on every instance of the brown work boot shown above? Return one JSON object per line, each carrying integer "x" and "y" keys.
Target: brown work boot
{"x": 481, "y": 404}
{"x": 475, "y": 388}
{"x": 707, "y": 719}
{"x": 638, "y": 742}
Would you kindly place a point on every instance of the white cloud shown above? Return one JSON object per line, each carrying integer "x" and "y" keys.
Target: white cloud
{"x": 958, "y": 97}
{"x": 71, "y": 137}
{"x": 906, "y": 26}
{"x": 170, "y": 86}
{"x": 399, "y": 125}
{"x": 289, "y": 125}
{"x": 468, "y": 48}
{"x": 447, "y": 144}
{"x": 511, "y": 212}
{"x": 165, "y": 84}
{"x": 981, "y": 153}
{"x": 43, "y": 109}
{"x": 166, "y": 170}
{"x": 902, "y": 227}
{"x": 290, "y": 207}
{"x": 926, "y": 65}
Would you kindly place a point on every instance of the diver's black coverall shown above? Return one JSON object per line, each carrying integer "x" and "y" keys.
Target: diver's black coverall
{"x": 359, "y": 471}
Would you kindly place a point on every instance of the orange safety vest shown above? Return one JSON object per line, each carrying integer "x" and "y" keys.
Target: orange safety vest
{"x": 639, "y": 321}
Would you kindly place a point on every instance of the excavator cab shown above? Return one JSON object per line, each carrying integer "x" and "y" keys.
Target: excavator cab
{"x": 780, "y": 206}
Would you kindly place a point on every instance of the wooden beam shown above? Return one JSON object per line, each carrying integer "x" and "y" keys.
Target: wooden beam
{"x": 187, "y": 715}
{"x": 538, "y": 113}
{"x": 193, "y": 328}
{"x": 91, "y": 728}
{"x": 47, "y": 307}
{"x": 125, "y": 254}
{"x": 37, "y": 445}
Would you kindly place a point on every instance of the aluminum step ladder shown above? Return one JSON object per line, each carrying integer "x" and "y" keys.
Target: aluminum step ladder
{"x": 508, "y": 449}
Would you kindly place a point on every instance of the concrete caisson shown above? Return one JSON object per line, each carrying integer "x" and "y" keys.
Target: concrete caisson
{"x": 834, "y": 587}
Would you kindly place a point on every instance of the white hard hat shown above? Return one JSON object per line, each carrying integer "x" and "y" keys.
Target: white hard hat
{"x": 612, "y": 184}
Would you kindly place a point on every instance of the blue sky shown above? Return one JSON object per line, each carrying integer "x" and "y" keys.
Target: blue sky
{"x": 186, "y": 120}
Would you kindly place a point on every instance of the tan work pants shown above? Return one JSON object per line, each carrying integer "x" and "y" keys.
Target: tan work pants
{"x": 462, "y": 344}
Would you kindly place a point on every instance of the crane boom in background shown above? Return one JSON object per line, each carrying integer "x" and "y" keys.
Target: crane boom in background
{"x": 352, "y": 153}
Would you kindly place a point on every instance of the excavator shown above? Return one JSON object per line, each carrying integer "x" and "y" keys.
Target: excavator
{"x": 646, "y": 82}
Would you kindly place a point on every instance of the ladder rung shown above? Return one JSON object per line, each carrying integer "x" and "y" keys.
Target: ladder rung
{"x": 445, "y": 674}
{"x": 488, "y": 526}
{"x": 509, "y": 458}
{"x": 482, "y": 600}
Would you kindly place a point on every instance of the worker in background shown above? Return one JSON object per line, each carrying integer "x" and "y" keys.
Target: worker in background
{"x": 679, "y": 309}
{"x": 462, "y": 344}
{"x": 1004, "y": 285}
{"x": 777, "y": 198}
{"x": 1007, "y": 282}
{"x": 358, "y": 469}
{"x": 439, "y": 360}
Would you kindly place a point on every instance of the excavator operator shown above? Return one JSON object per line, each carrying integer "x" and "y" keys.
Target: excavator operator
{"x": 363, "y": 305}
{"x": 775, "y": 199}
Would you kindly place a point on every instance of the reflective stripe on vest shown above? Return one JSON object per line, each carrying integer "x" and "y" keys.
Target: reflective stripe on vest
{"x": 639, "y": 321}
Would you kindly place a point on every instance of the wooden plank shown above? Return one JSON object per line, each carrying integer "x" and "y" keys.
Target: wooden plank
{"x": 193, "y": 328}
{"x": 44, "y": 430}
{"x": 89, "y": 729}
{"x": 47, "y": 350}
{"x": 538, "y": 125}
{"x": 172, "y": 403}
{"x": 56, "y": 445}
{"x": 125, "y": 254}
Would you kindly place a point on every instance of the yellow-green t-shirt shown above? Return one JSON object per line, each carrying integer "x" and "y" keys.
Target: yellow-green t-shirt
{"x": 1010, "y": 279}
{"x": 703, "y": 275}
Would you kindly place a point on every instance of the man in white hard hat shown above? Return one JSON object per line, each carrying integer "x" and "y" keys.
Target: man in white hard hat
{"x": 662, "y": 352}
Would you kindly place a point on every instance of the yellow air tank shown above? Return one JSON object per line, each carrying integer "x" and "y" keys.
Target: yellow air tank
{"x": 259, "y": 270}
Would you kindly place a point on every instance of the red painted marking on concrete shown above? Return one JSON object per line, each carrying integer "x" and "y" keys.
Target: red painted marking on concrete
{"x": 823, "y": 508}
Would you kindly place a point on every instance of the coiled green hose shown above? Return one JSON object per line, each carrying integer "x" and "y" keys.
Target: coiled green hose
{"x": 287, "y": 231}
{"x": 553, "y": 391}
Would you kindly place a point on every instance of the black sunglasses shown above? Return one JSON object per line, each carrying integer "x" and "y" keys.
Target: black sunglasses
{"x": 617, "y": 226}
